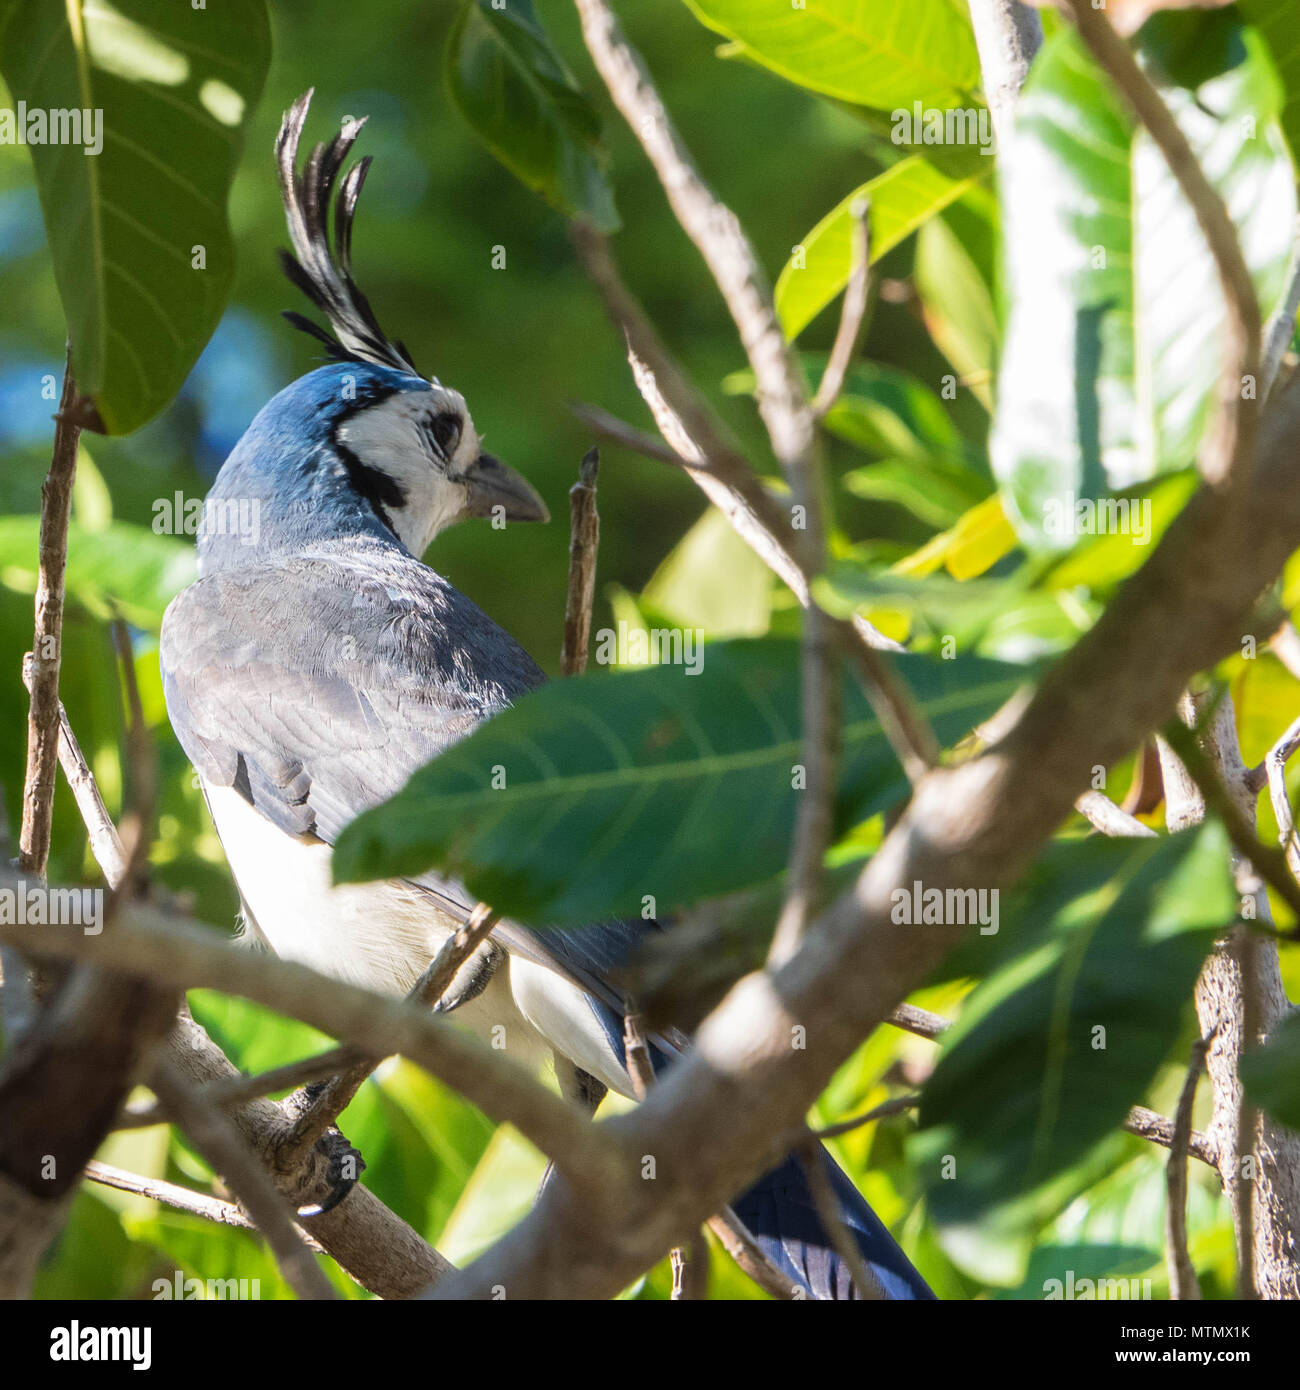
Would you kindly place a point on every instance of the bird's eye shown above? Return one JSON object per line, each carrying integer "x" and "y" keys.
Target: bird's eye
{"x": 445, "y": 431}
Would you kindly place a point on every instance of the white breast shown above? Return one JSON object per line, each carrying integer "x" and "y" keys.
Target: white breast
{"x": 377, "y": 935}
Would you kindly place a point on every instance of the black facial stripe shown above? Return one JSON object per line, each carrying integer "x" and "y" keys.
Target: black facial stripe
{"x": 376, "y": 486}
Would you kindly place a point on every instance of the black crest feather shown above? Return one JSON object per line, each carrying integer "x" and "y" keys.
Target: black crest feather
{"x": 321, "y": 271}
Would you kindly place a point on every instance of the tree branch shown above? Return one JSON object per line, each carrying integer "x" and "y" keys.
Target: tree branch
{"x": 1008, "y": 35}
{"x": 47, "y": 644}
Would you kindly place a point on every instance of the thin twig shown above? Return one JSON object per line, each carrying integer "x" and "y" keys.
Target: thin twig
{"x": 105, "y": 843}
{"x": 1103, "y": 815}
{"x": 853, "y": 315}
{"x": 1232, "y": 437}
{"x": 47, "y": 644}
{"x": 1183, "y": 1283}
{"x": 899, "y": 1105}
{"x": 238, "y": 1090}
{"x": 639, "y": 1067}
{"x": 1159, "y": 1129}
{"x": 171, "y": 1194}
{"x": 142, "y": 757}
{"x": 1274, "y": 766}
{"x": 738, "y": 1241}
{"x": 584, "y": 543}
{"x": 919, "y": 1021}
{"x": 219, "y": 1142}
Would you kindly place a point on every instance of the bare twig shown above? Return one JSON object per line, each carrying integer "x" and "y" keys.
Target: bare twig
{"x": 739, "y": 1243}
{"x": 47, "y": 644}
{"x": 1159, "y": 1129}
{"x": 621, "y": 432}
{"x": 170, "y": 1194}
{"x": 584, "y": 541}
{"x": 639, "y": 1066}
{"x": 236, "y": 1090}
{"x": 919, "y": 1021}
{"x": 142, "y": 758}
{"x": 853, "y": 315}
{"x": 105, "y": 843}
{"x": 219, "y": 1142}
{"x": 898, "y": 1105}
{"x": 1274, "y": 768}
{"x": 1007, "y": 35}
{"x": 1102, "y": 813}
{"x": 1233, "y": 434}
{"x": 1183, "y": 1283}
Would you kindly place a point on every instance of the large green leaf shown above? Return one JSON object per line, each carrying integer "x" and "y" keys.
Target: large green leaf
{"x": 513, "y": 89}
{"x": 138, "y": 231}
{"x": 880, "y": 53}
{"x": 122, "y": 568}
{"x": 1115, "y": 314}
{"x": 901, "y": 198}
{"x": 1092, "y": 974}
{"x": 591, "y": 794}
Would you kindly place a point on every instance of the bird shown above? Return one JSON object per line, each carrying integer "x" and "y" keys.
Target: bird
{"x": 313, "y": 666}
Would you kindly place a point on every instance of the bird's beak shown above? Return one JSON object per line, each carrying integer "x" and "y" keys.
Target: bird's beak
{"x": 490, "y": 484}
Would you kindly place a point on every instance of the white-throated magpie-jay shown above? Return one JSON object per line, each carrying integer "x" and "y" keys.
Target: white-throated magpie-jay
{"x": 309, "y": 673}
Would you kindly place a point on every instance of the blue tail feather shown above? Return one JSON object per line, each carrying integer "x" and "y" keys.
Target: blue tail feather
{"x": 782, "y": 1216}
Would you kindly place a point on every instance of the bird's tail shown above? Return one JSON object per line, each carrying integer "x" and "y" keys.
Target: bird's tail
{"x": 780, "y": 1212}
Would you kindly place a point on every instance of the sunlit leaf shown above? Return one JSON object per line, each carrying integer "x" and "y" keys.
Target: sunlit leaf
{"x": 138, "y": 229}
{"x": 881, "y": 53}
{"x": 902, "y": 198}
{"x": 1115, "y": 324}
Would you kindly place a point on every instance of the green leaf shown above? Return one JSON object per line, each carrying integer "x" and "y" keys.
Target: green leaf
{"x": 902, "y": 198}
{"x": 123, "y": 567}
{"x": 933, "y": 490}
{"x": 513, "y": 89}
{"x": 1272, "y": 1073}
{"x": 656, "y": 782}
{"x": 1115, "y": 315}
{"x": 126, "y": 226}
{"x": 1104, "y": 935}
{"x": 1001, "y": 618}
{"x": 1276, "y": 20}
{"x": 956, "y": 301}
{"x": 714, "y": 581}
{"x": 881, "y": 53}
